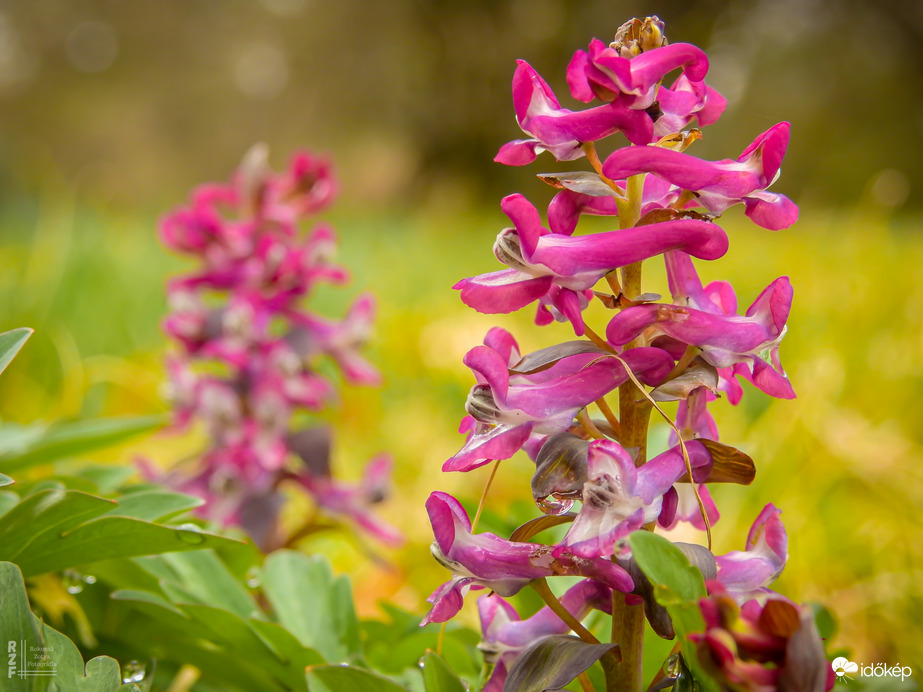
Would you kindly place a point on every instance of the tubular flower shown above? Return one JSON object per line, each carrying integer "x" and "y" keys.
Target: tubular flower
{"x": 504, "y": 634}
{"x": 685, "y": 100}
{"x": 745, "y": 574}
{"x": 602, "y": 73}
{"x": 619, "y": 498}
{"x": 485, "y": 560}
{"x": 679, "y": 503}
{"x": 561, "y": 131}
{"x": 541, "y": 261}
{"x": 545, "y": 401}
{"x": 749, "y": 344}
{"x": 719, "y": 184}
{"x": 246, "y": 361}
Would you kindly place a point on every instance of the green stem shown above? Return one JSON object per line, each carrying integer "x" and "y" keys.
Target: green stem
{"x": 634, "y": 417}
{"x": 627, "y": 620}
{"x": 629, "y": 215}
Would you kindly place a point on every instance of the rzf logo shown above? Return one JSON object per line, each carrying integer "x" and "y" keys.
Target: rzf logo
{"x": 11, "y": 666}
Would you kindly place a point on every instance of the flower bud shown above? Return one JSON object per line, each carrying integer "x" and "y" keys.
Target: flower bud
{"x": 637, "y": 36}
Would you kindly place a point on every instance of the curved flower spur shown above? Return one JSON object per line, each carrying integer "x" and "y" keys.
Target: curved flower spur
{"x": 581, "y": 409}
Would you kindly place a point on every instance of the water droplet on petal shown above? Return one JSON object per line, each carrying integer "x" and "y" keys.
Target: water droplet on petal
{"x": 190, "y": 533}
{"x": 550, "y": 505}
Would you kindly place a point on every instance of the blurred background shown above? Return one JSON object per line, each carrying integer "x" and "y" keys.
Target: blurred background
{"x": 111, "y": 111}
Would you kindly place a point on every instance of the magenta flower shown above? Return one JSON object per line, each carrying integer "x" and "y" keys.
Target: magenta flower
{"x": 561, "y": 131}
{"x": 718, "y": 298}
{"x": 565, "y": 209}
{"x": 719, "y": 184}
{"x": 602, "y": 73}
{"x": 485, "y": 560}
{"x": 748, "y": 344}
{"x": 619, "y": 498}
{"x": 545, "y": 402}
{"x": 505, "y": 634}
{"x": 558, "y": 404}
{"x": 342, "y": 340}
{"x": 686, "y": 100}
{"x": 680, "y": 503}
{"x": 761, "y": 648}
{"x": 745, "y": 574}
{"x": 307, "y": 187}
{"x": 540, "y": 260}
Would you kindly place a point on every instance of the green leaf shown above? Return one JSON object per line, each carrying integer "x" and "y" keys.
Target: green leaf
{"x": 348, "y": 679}
{"x": 678, "y": 586}
{"x": 43, "y": 516}
{"x": 552, "y": 662}
{"x": 8, "y": 500}
{"x": 437, "y": 676}
{"x": 667, "y": 568}
{"x": 206, "y": 580}
{"x": 155, "y": 505}
{"x": 110, "y": 537}
{"x": 343, "y": 609}
{"x": 62, "y": 663}
{"x": 286, "y": 644}
{"x": 55, "y": 529}
{"x": 146, "y": 597}
{"x": 5, "y": 480}
{"x": 73, "y": 438}
{"x": 309, "y": 603}
{"x": 10, "y": 343}
{"x": 19, "y": 625}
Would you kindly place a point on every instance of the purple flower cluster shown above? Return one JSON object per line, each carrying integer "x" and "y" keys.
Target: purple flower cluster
{"x": 692, "y": 349}
{"x": 245, "y": 363}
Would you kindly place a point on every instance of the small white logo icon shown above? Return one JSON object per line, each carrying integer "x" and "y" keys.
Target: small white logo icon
{"x": 842, "y": 666}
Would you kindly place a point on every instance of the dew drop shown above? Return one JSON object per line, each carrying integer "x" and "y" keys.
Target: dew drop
{"x": 72, "y": 581}
{"x": 550, "y": 505}
{"x": 672, "y": 667}
{"x": 133, "y": 671}
{"x": 190, "y": 533}
{"x": 253, "y": 577}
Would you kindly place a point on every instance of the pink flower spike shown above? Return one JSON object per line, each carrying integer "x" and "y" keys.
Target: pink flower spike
{"x": 719, "y": 184}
